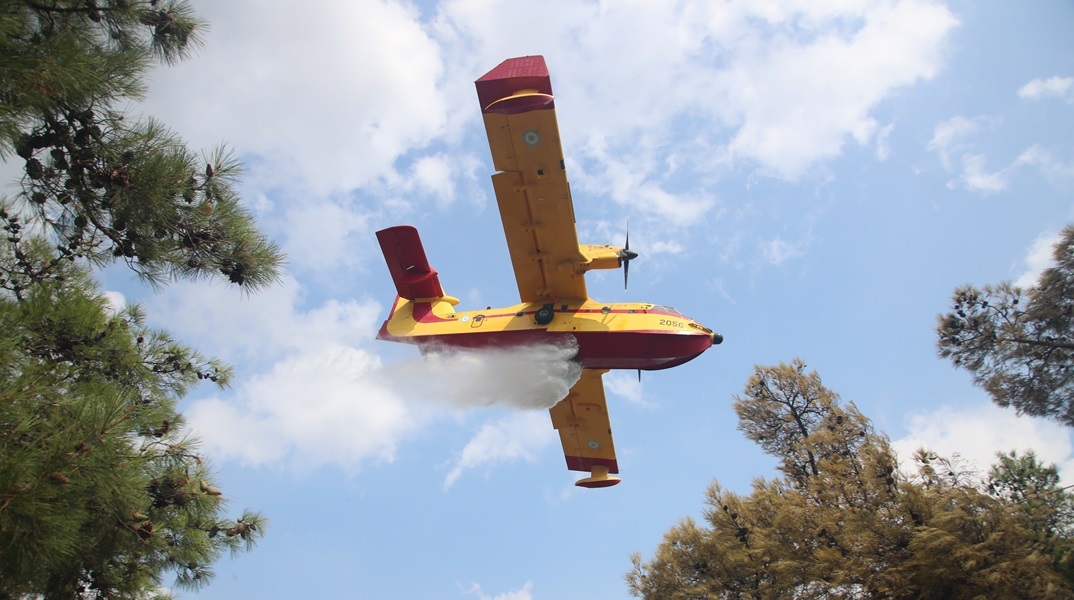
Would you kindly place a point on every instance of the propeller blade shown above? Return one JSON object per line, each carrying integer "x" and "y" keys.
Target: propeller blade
{"x": 625, "y": 256}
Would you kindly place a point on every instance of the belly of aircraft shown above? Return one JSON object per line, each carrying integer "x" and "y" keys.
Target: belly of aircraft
{"x": 643, "y": 350}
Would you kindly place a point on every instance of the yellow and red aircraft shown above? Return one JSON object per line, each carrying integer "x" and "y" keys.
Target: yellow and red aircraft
{"x": 550, "y": 266}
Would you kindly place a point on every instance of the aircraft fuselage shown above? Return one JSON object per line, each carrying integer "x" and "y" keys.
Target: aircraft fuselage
{"x": 609, "y": 336}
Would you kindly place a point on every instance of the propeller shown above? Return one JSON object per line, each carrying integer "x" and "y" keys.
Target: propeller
{"x": 625, "y": 256}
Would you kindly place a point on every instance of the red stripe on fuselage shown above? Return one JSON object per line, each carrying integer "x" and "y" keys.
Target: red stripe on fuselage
{"x": 646, "y": 350}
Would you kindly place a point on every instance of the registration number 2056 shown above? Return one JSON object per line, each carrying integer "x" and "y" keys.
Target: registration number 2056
{"x": 672, "y": 323}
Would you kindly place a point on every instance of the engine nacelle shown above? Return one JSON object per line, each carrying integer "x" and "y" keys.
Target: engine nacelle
{"x": 601, "y": 257}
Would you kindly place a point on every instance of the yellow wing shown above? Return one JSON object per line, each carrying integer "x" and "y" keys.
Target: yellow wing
{"x": 531, "y": 185}
{"x": 586, "y": 432}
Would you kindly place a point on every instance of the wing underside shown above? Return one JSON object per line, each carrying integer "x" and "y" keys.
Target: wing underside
{"x": 586, "y": 431}
{"x": 535, "y": 205}
{"x": 531, "y": 186}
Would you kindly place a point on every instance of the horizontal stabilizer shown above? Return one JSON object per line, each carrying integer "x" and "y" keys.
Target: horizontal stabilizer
{"x": 414, "y": 278}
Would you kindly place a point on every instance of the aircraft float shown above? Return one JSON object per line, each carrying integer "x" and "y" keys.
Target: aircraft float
{"x": 550, "y": 266}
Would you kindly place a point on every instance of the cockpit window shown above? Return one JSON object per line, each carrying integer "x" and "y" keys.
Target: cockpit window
{"x": 666, "y": 309}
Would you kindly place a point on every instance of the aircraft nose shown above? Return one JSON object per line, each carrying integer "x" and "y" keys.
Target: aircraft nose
{"x": 717, "y": 339}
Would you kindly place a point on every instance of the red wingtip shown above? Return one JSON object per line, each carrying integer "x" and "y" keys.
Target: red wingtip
{"x": 512, "y": 76}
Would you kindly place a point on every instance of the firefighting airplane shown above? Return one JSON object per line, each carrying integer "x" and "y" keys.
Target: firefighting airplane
{"x": 550, "y": 266}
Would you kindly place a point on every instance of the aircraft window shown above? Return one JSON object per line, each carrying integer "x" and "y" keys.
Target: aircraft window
{"x": 667, "y": 309}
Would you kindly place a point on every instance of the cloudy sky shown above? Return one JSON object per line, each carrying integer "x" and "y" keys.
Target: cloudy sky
{"x": 811, "y": 178}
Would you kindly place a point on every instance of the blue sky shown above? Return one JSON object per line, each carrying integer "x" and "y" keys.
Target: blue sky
{"x": 812, "y": 179}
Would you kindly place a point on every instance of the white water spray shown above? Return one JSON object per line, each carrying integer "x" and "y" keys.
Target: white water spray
{"x": 527, "y": 377}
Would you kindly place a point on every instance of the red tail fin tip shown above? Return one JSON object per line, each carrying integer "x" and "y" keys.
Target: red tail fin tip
{"x": 407, "y": 263}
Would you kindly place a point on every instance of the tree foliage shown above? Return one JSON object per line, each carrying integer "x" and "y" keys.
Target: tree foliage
{"x": 1048, "y": 509}
{"x": 844, "y": 522}
{"x": 103, "y": 185}
{"x": 1019, "y": 344}
{"x": 102, "y": 492}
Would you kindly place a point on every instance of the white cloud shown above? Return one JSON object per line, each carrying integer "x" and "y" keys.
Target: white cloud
{"x": 778, "y": 250}
{"x": 520, "y": 436}
{"x": 265, "y": 327}
{"x": 1049, "y": 165}
{"x": 976, "y": 434}
{"x": 309, "y": 393}
{"x": 799, "y": 97}
{"x": 1040, "y": 256}
{"x": 332, "y": 102}
{"x": 116, "y": 301}
{"x": 1052, "y": 87}
{"x": 439, "y": 176}
{"x": 625, "y": 384}
{"x": 525, "y": 593}
{"x": 664, "y": 247}
{"x": 949, "y": 136}
{"x": 322, "y": 236}
{"x": 883, "y": 147}
{"x": 326, "y": 407}
{"x": 975, "y": 176}
{"x": 433, "y": 173}
{"x": 627, "y": 185}
{"x": 952, "y": 141}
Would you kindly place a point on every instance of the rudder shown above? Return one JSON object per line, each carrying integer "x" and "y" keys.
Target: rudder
{"x": 414, "y": 278}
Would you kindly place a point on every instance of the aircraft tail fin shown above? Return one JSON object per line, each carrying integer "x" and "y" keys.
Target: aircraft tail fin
{"x": 414, "y": 278}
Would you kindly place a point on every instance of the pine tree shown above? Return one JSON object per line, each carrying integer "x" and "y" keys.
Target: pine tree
{"x": 104, "y": 186}
{"x": 1046, "y": 506}
{"x": 1019, "y": 343}
{"x": 102, "y": 491}
{"x": 843, "y": 521}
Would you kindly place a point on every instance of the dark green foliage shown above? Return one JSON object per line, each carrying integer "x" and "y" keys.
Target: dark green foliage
{"x": 109, "y": 188}
{"x": 102, "y": 493}
{"x": 99, "y": 488}
{"x": 1047, "y": 506}
{"x": 1019, "y": 344}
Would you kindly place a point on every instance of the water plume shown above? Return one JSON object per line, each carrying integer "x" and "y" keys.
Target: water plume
{"x": 527, "y": 377}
